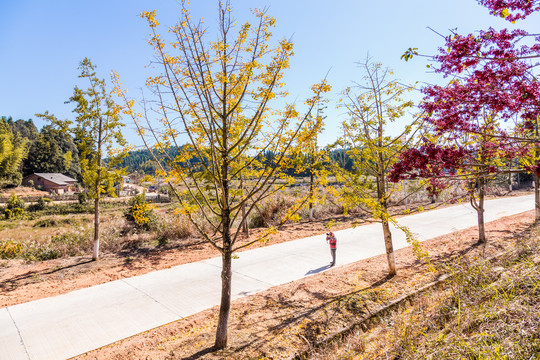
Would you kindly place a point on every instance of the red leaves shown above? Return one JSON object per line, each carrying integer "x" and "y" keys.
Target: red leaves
{"x": 511, "y": 10}
{"x": 534, "y": 168}
{"x": 493, "y": 80}
{"x": 427, "y": 161}
{"x": 436, "y": 186}
{"x": 461, "y": 52}
{"x": 496, "y": 77}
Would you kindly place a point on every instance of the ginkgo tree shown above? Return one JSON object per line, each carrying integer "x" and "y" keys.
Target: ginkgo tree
{"x": 217, "y": 96}
{"x": 371, "y": 107}
{"x": 97, "y": 130}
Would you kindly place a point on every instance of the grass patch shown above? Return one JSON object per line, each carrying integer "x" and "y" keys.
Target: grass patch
{"x": 55, "y": 222}
{"x": 67, "y": 244}
{"x": 5, "y": 225}
{"x": 65, "y": 209}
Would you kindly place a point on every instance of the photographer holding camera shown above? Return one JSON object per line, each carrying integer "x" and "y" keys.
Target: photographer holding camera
{"x": 331, "y": 239}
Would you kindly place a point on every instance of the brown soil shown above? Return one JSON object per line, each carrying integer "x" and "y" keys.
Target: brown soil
{"x": 23, "y": 191}
{"x": 282, "y": 320}
{"x": 272, "y": 324}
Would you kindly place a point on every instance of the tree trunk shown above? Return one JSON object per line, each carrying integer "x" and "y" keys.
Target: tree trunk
{"x": 480, "y": 211}
{"x": 226, "y": 271}
{"x": 95, "y": 254}
{"x": 405, "y": 197}
{"x": 311, "y": 180}
{"x": 382, "y": 197}
{"x": 389, "y": 248}
{"x": 535, "y": 174}
{"x": 245, "y": 225}
{"x": 225, "y": 306}
{"x": 536, "y": 196}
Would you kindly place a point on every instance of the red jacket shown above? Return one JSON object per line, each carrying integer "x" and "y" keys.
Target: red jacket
{"x": 332, "y": 241}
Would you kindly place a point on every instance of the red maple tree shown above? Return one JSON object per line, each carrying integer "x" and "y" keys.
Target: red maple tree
{"x": 492, "y": 83}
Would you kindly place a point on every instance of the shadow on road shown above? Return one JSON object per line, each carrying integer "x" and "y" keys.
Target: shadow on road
{"x": 201, "y": 353}
{"x": 318, "y": 270}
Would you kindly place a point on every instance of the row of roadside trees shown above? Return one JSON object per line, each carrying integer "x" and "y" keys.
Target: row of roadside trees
{"x": 225, "y": 98}
{"x": 218, "y": 96}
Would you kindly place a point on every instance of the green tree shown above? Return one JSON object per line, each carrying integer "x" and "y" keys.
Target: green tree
{"x": 13, "y": 150}
{"x": 14, "y": 207}
{"x": 97, "y": 130}
{"x": 25, "y": 129}
{"x": 217, "y": 94}
{"x": 371, "y": 107}
{"x": 53, "y": 152}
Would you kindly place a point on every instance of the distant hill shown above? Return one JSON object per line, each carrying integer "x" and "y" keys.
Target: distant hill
{"x": 142, "y": 161}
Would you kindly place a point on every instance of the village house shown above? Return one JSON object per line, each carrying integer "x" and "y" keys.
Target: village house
{"x": 52, "y": 182}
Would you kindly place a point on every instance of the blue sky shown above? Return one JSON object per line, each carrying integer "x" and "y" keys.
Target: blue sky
{"x": 42, "y": 43}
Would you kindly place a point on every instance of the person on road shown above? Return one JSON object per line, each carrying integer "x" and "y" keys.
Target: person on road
{"x": 331, "y": 239}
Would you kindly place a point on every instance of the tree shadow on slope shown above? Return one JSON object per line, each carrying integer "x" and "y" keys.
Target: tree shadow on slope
{"x": 301, "y": 312}
{"x": 34, "y": 276}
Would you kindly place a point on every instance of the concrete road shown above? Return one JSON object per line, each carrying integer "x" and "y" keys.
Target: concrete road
{"x": 67, "y": 325}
